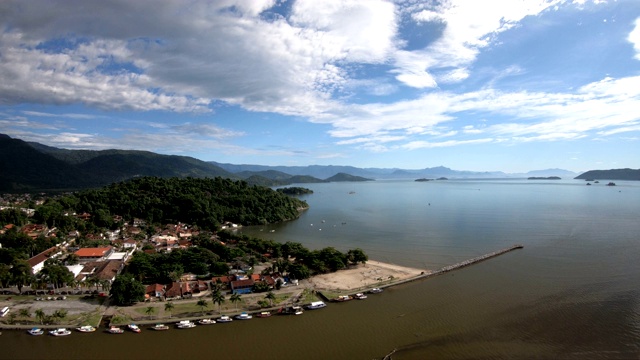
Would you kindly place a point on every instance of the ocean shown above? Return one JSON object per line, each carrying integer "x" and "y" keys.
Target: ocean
{"x": 572, "y": 292}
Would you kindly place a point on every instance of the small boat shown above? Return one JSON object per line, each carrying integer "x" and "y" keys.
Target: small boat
{"x": 115, "y": 330}
{"x": 316, "y": 305}
{"x": 360, "y": 296}
{"x": 264, "y": 314}
{"x": 35, "y": 331}
{"x": 291, "y": 310}
{"x": 160, "y": 327}
{"x": 206, "y": 321}
{"x": 243, "y": 316}
{"x": 224, "y": 319}
{"x": 86, "y": 329}
{"x": 185, "y": 324}
{"x": 343, "y": 298}
{"x": 135, "y": 328}
{"x": 60, "y": 332}
{"x": 375, "y": 290}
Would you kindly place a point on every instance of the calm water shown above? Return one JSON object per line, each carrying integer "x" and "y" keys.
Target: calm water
{"x": 571, "y": 293}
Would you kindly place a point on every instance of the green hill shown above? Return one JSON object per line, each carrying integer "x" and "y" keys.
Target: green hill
{"x": 613, "y": 174}
{"x": 346, "y": 177}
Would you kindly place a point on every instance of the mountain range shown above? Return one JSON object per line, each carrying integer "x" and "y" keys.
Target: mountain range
{"x": 30, "y": 166}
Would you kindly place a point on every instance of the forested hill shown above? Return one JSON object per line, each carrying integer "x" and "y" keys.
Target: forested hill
{"x": 613, "y": 174}
{"x": 203, "y": 202}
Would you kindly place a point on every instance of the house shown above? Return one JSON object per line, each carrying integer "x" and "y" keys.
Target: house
{"x": 225, "y": 281}
{"x": 154, "y": 291}
{"x": 130, "y": 244}
{"x": 199, "y": 286}
{"x": 108, "y": 270}
{"x": 37, "y": 262}
{"x": 178, "y": 290}
{"x": 242, "y": 286}
{"x": 94, "y": 254}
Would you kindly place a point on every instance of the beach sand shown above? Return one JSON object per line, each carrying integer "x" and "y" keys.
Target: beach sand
{"x": 372, "y": 274}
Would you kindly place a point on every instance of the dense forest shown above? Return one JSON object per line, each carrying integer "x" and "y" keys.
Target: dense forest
{"x": 206, "y": 203}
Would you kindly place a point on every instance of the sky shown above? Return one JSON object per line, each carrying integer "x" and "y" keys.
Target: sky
{"x": 495, "y": 85}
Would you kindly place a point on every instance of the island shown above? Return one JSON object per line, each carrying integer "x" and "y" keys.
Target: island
{"x": 544, "y": 178}
{"x": 423, "y": 180}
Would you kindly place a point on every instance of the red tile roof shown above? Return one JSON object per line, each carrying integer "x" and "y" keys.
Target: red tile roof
{"x": 93, "y": 252}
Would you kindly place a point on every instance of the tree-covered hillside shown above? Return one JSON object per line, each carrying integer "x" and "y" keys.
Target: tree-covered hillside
{"x": 203, "y": 202}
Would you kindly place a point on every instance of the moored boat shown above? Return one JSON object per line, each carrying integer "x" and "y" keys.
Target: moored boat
{"x": 135, "y": 328}
{"x": 375, "y": 290}
{"x": 291, "y": 310}
{"x": 243, "y": 316}
{"x": 206, "y": 321}
{"x": 264, "y": 314}
{"x": 60, "y": 332}
{"x": 86, "y": 329}
{"x": 185, "y": 324}
{"x": 115, "y": 330}
{"x": 35, "y": 331}
{"x": 224, "y": 319}
{"x": 316, "y": 305}
{"x": 160, "y": 327}
{"x": 343, "y": 298}
{"x": 360, "y": 296}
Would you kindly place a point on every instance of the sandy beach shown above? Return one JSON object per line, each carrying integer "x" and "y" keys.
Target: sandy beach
{"x": 371, "y": 274}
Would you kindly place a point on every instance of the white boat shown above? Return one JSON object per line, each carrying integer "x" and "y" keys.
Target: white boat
{"x": 360, "y": 296}
{"x": 86, "y": 329}
{"x": 316, "y": 305}
{"x": 35, "y": 331}
{"x": 343, "y": 298}
{"x": 135, "y": 328}
{"x": 206, "y": 321}
{"x": 224, "y": 319}
{"x": 185, "y": 324}
{"x": 243, "y": 316}
{"x": 160, "y": 327}
{"x": 375, "y": 290}
{"x": 60, "y": 332}
{"x": 115, "y": 330}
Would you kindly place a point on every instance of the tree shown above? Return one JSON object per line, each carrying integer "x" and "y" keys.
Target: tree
{"x": 218, "y": 298}
{"x": 169, "y": 307}
{"x": 21, "y": 274}
{"x": 270, "y": 296}
{"x": 203, "y": 304}
{"x": 126, "y": 290}
{"x": 149, "y": 311}
{"x": 25, "y": 313}
{"x": 234, "y": 299}
{"x": 59, "y": 314}
{"x": 356, "y": 256}
{"x": 40, "y": 315}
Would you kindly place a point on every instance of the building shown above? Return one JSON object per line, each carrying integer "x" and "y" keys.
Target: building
{"x": 94, "y": 254}
{"x": 37, "y": 262}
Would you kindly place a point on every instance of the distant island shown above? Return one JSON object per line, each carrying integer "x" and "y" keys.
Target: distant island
{"x": 544, "y": 178}
{"x": 613, "y": 174}
{"x": 295, "y": 190}
{"x": 423, "y": 180}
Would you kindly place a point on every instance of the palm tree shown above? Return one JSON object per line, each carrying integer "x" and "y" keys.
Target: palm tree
{"x": 203, "y": 304}
{"x": 149, "y": 311}
{"x": 169, "y": 307}
{"x": 60, "y": 314}
{"x": 234, "y": 299}
{"x": 270, "y": 296}
{"x": 40, "y": 315}
{"x": 25, "y": 313}
{"x": 218, "y": 298}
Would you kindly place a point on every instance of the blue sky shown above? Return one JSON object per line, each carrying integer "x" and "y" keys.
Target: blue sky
{"x": 496, "y": 85}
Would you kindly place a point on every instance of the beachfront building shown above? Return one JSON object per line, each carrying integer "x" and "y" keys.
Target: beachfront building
{"x": 94, "y": 254}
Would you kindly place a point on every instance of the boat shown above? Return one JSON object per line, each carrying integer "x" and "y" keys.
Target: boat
{"x": 185, "y": 324}
{"x": 224, "y": 319}
{"x": 60, "y": 332}
{"x": 360, "y": 296}
{"x": 375, "y": 290}
{"x": 35, "y": 331}
{"x": 264, "y": 314}
{"x": 115, "y": 330}
{"x": 86, "y": 329}
{"x": 135, "y": 328}
{"x": 316, "y": 305}
{"x": 160, "y": 327}
{"x": 206, "y": 321}
{"x": 343, "y": 298}
{"x": 291, "y": 310}
{"x": 243, "y": 316}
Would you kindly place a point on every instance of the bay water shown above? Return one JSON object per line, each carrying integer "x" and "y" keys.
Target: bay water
{"x": 572, "y": 292}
